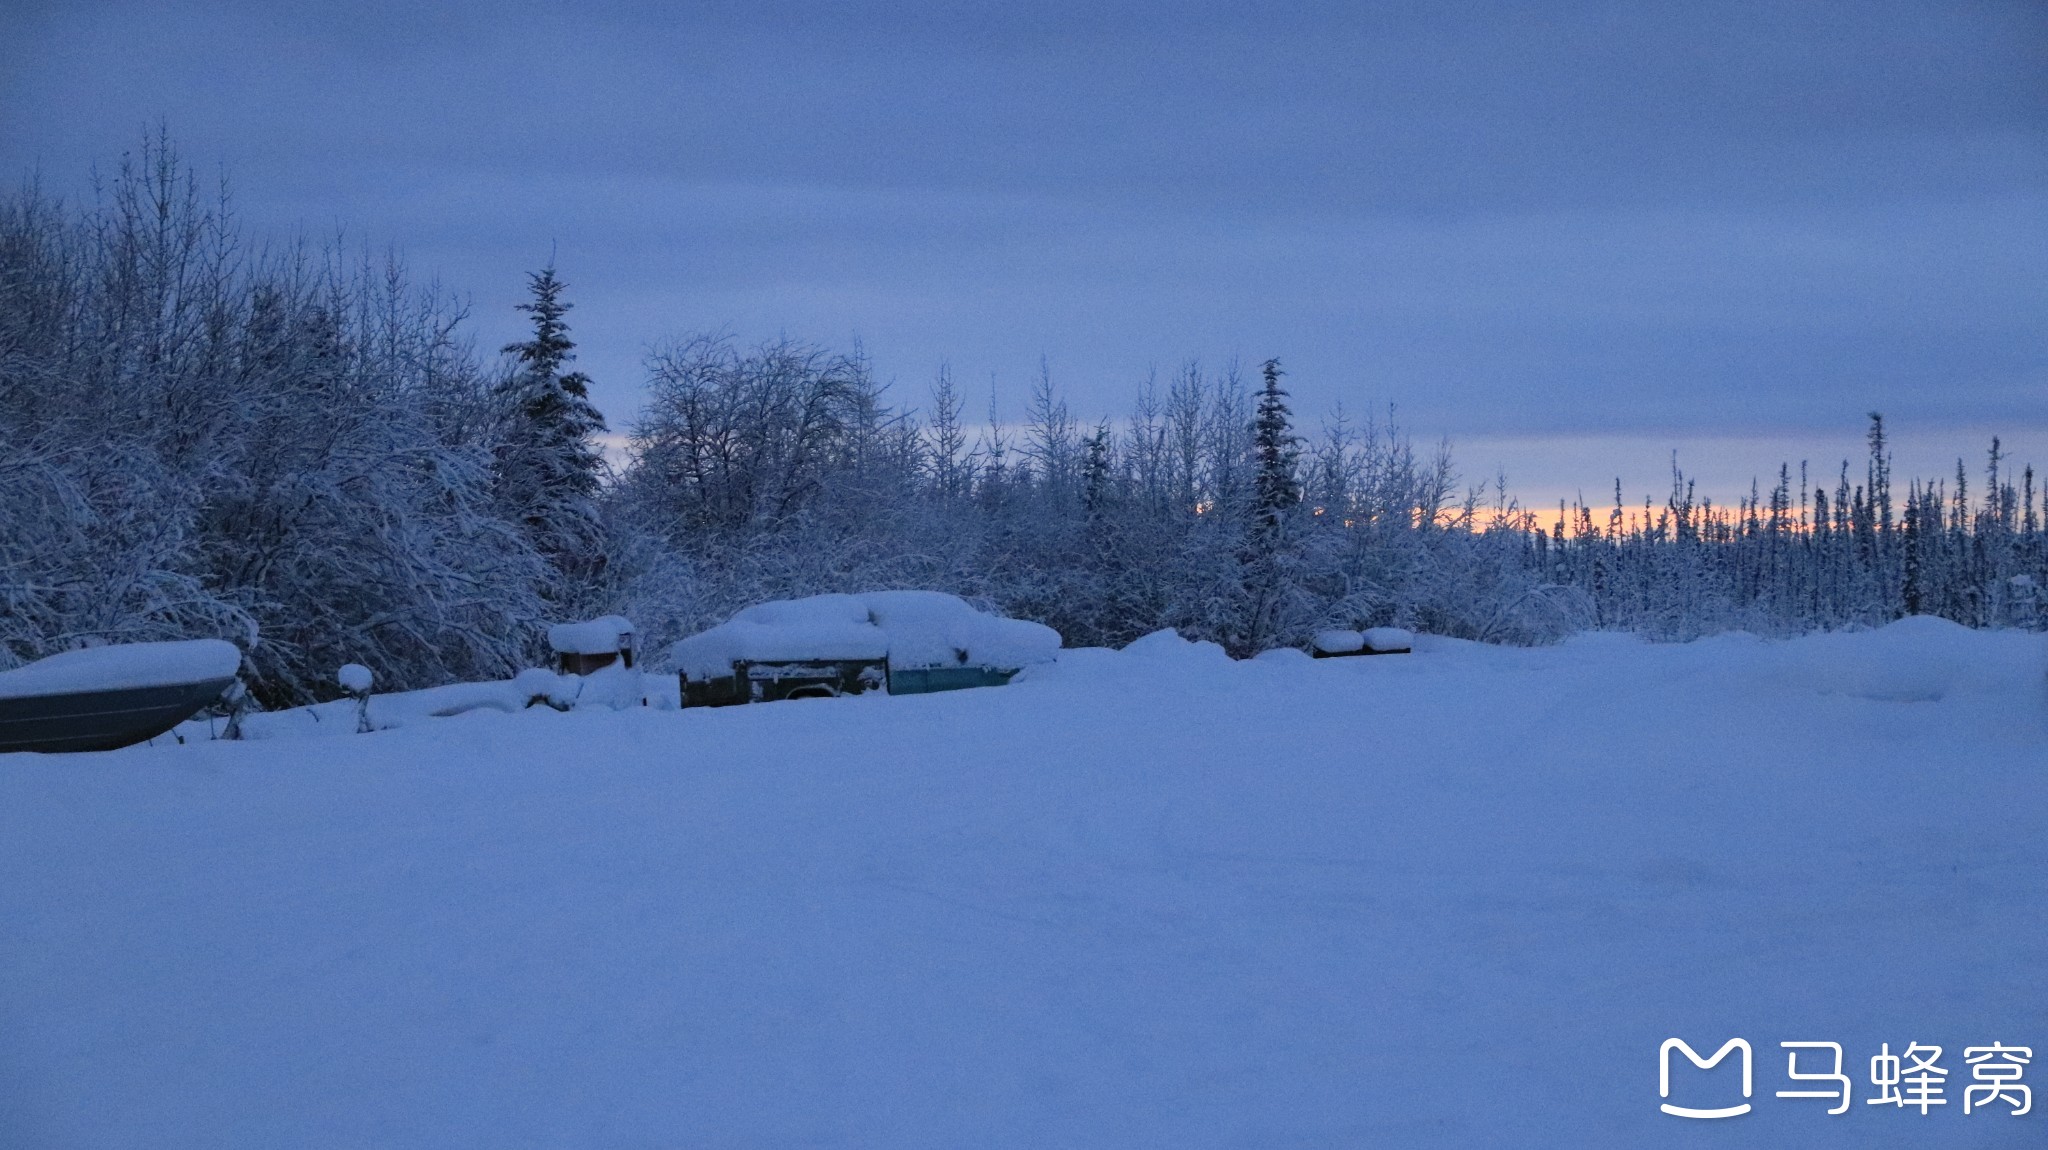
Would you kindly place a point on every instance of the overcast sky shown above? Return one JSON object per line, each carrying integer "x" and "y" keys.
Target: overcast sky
{"x": 1567, "y": 236}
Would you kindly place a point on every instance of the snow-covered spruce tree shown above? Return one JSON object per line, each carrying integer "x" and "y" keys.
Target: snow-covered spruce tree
{"x": 1277, "y": 487}
{"x": 1270, "y": 591}
{"x": 945, "y": 441}
{"x": 1095, "y": 474}
{"x": 548, "y": 469}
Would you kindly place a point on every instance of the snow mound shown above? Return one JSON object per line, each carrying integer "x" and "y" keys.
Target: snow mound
{"x": 609, "y": 688}
{"x": 123, "y": 666}
{"x": 540, "y": 685}
{"x": 911, "y": 629}
{"x": 1166, "y": 644}
{"x": 1918, "y": 659}
{"x": 615, "y": 686}
{"x": 355, "y": 678}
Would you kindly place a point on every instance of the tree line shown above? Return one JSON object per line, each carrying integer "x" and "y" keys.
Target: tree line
{"x": 300, "y": 449}
{"x": 1810, "y": 554}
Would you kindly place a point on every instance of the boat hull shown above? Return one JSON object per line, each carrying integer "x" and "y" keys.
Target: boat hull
{"x": 101, "y": 720}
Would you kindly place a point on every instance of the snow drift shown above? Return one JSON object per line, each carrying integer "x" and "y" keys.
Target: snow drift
{"x": 1150, "y": 898}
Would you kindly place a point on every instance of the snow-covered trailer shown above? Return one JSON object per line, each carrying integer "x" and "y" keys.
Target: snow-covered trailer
{"x": 924, "y": 680}
{"x": 1371, "y": 641}
{"x": 770, "y": 680}
{"x": 102, "y": 698}
{"x": 902, "y": 642}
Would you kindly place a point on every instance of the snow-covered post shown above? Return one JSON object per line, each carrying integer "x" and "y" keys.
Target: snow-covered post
{"x": 356, "y": 679}
{"x": 237, "y": 699}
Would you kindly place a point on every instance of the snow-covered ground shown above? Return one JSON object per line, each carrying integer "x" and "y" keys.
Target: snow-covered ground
{"x": 1150, "y": 898}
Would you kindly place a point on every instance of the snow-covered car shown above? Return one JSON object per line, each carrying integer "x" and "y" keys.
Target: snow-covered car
{"x": 902, "y": 642}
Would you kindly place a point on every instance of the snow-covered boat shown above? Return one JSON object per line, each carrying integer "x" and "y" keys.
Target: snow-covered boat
{"x": 101, "y": 698}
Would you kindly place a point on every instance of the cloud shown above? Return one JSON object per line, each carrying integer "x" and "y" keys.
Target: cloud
{"x": 1507, "y": 218}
